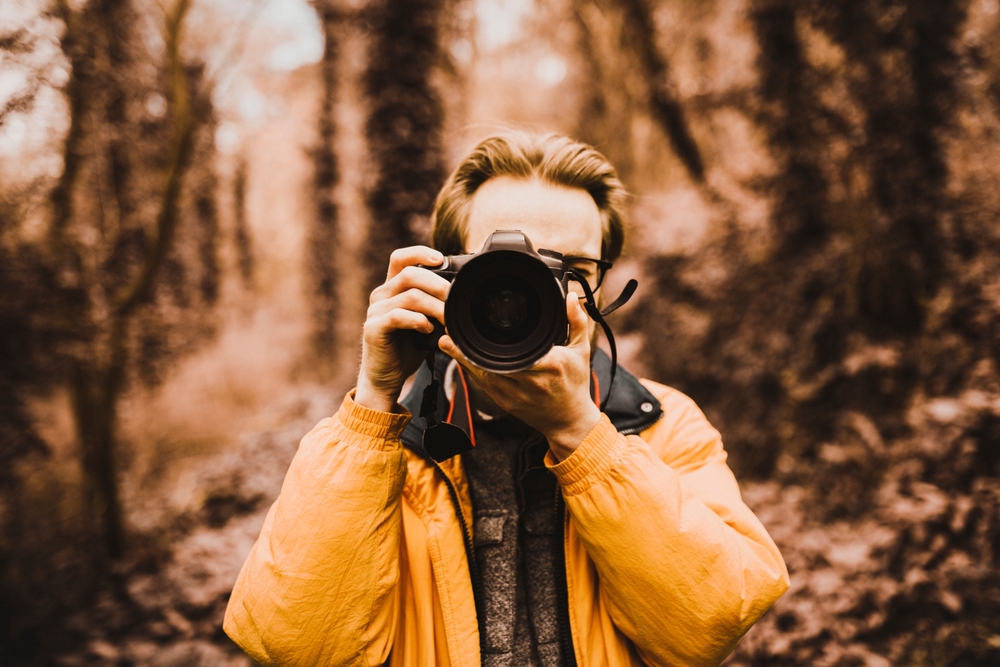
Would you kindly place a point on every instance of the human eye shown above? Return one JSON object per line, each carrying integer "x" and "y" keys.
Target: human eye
{"x": 584, "y": 267}
{"x": 581, "y": 266}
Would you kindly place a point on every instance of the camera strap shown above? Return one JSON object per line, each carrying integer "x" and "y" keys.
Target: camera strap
{"x": 590, "y": 305}
{"x": 441, "y": 440}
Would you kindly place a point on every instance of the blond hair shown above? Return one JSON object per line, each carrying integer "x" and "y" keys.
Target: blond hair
{"x": 552, "y": 158}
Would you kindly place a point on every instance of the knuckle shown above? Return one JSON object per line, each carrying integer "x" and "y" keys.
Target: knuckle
{"x": 415, "y": 297}
{"x": 408, "y": 296}
{"x": 410, "y": 273}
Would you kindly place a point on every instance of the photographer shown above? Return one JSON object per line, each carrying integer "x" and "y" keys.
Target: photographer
{"x": 576, "y": 519}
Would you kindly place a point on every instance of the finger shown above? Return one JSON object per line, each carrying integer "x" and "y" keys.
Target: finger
{"x": 410, "y": 277}
{"x": 413, "y": 299}
{"x": 485, "y": 378}
{"x": 448, "y": 346}
{"x": 410, "y": 256}
{"x": 379, "y": 328}
{"x": 578, "y": 322}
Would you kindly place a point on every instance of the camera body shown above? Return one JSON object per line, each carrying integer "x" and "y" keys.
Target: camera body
{"x": 507, "y": 304}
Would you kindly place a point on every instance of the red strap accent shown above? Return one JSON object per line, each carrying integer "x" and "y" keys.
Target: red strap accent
{"x": 468, "y": 406}
{"x": 597, "y": 390}
{"x": 451, "y": 405}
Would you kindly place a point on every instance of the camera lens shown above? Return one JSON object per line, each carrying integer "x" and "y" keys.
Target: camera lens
{"x": 505, "y": 309}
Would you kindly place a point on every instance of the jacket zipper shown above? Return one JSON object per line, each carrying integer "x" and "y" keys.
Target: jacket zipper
{"x": 562, "y": 587}
{"x": 639, "y": 429}
{"x": 470, "y": 555}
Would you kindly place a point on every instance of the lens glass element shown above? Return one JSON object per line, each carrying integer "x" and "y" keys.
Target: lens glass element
{"x": 505, "y": 309}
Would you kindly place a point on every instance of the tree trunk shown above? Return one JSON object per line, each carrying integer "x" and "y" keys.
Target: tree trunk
{"x": 97, "y": 381}
{"x": 324, "y": 239}
{"x": 801, "y": 214}
{"x": 95, "y": 394}
{"x": 904, "y": 76}
{"x": 609, "y": 108}
{"x": 73, "y": 44}
{"x": 242, "y": 239}
{"x": 403, "y": 129}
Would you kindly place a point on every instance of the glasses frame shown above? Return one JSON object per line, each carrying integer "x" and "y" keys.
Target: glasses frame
{"x": 603, "y": 266}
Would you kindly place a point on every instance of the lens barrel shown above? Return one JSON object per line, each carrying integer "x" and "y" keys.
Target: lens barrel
{"x": 506, "y": 309}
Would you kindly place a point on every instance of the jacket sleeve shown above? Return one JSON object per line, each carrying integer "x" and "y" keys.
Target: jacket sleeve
{"x": 317, "y": 587}
{"x": 685, "y": 567}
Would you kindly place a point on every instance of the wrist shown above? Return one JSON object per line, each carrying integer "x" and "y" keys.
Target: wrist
{"x": 367, "y": 396}
{"x": 564, "y": 441}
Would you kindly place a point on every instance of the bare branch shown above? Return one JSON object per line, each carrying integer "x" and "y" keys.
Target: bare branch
{"x": 666, "y": 108}
{"x": 179, "y": 101}
{"x": 19, "y": 103}
{"x": 15, "y": 42}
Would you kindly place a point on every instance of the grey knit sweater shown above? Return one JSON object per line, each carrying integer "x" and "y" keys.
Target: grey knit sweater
{"x": 516, "y": 539}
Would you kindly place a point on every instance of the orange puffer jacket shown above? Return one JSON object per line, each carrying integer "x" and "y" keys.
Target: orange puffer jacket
{"x": 364, "y": 553}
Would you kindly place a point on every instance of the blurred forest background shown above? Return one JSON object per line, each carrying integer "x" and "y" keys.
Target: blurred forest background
{"x": 197, "y": 195}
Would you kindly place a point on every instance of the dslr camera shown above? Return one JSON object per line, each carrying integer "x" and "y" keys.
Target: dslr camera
{"x": 507, "y": 304}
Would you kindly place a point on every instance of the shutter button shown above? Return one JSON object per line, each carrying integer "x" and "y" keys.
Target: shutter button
{"x": 646, "y": 407}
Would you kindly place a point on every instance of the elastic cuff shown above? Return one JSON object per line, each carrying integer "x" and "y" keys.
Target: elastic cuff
{"x": 591, "y": 461}
{"x": 372, "y": 423}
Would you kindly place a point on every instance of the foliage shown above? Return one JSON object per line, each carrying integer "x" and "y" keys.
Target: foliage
{"x": 911, "y": 580}
{"x": 851, "y": 356}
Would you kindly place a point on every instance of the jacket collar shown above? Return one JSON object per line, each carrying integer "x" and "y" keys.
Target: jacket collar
{"x": 631, "y": 407}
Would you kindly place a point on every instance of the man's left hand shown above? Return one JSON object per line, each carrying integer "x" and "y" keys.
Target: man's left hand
{"x": 553, "y": 396}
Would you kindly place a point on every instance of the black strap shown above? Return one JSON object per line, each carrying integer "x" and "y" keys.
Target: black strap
{"x": 622, "y": 298}
{"x": 441, "y": 440}
{"x": 598, "y": 316}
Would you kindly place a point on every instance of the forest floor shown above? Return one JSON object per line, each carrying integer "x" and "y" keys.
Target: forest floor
{"x": 163, "y": 606}
{"x": 892, "y": 549}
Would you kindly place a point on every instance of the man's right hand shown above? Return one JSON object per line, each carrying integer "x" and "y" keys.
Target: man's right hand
{"x": 407, "y": 300}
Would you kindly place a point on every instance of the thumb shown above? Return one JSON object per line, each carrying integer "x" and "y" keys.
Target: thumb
{"x": 577, "y": 318}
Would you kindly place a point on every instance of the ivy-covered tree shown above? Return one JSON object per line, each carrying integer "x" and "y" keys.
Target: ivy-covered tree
{"x": 403, "y": 127}
{"x": 858, "y": 246}
{"x": 324, "y": 236}
{"x": 629, "y": 74}
{"x": 127, "y": 262}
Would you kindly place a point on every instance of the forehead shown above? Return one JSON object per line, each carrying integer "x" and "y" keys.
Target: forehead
{"x": 555, "y": 217}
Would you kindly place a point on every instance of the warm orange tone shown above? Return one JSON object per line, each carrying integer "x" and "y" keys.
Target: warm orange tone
{"x": 362, "y": 553}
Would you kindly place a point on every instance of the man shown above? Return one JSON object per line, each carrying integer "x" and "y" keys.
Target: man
{"x": 573, "y": 533}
